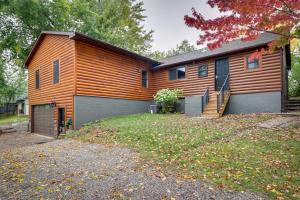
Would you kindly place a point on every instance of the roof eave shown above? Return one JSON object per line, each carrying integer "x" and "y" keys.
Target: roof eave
{"x": 87, "y": 39}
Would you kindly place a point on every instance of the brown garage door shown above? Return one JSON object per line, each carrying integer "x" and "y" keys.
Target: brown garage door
{"x": 43, "y": 120}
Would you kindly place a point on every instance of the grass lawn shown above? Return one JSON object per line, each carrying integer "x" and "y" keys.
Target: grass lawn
{"x": 9, "y": 119}
{"x": 230, "y": 152}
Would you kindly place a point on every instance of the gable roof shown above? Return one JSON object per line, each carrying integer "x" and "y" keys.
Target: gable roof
{"x": 89, "y": 40}
{"x": 230, "y": 47}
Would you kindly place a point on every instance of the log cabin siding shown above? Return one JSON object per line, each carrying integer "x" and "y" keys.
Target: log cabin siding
{"x": 265, "y": 79}
{"x": 192, "y": 84}
{"x": 51, "y": 48}
{"x": 104, "y": 73}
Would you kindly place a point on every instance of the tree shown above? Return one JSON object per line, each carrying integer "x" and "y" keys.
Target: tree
{"x": 157, "y": 55}
{"x": 183, "y": 47}
{"x": 116, "y": 22}
{"x": 246, "y": 19}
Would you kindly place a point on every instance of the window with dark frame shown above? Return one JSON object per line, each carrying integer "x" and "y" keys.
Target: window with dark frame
{"x": 172, "y": 74}
{"x": 203, "y": 71}
{"x": 37, "y": 79}
{"x": 252, "y": 64}
{"x": 56, "y": 71}
{"x": 145, "y": 79}
{"x": 177, "y": 73}
{"x": 180, "y": 72}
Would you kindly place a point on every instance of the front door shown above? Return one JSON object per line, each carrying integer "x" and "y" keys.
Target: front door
{"x": 222, "y": 70}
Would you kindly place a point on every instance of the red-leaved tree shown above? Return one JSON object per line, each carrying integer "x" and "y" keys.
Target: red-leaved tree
{"x": 246, "y": 19}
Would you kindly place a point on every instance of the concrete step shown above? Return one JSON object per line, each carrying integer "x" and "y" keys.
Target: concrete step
{"x": 12, "y": 130}
{"x": 9, "y": 131}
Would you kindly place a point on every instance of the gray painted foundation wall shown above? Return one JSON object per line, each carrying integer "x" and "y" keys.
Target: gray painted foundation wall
{"x": 254, "y": 103}
{"x": 180, "y": 106}
{"x": 88, "y": 109}
{"x": 239, "y": 104}
{"x": 193, "y": 105}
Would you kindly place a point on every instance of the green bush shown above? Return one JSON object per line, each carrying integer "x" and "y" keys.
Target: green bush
{"x": 294, "y": 87}
{"x": 167, "y": 98}
{"x": 294, "y": 77}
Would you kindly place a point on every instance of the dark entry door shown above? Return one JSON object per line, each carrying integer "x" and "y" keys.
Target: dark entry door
{"x": 61, "y": 120}
{"x": 222, "y": 70}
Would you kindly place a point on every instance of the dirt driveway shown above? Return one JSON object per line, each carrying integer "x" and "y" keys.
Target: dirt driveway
{"x": 67, "y": 169}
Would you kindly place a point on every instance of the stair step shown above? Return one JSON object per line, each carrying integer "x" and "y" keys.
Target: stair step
{"x": 292, "y": 105}
{"x": 210, "y": 109}
{"x": 211, "y": 113}
{"x": 295, "y": 104}
{"x": 293, "y": 108}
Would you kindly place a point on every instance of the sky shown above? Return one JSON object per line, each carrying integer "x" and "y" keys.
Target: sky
{"x": 165, "y": 17}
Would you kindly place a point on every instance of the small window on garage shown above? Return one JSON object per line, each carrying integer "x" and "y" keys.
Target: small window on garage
{"x": 252, "y": 63}
{"x": 145, "y": 78}
{"x": 177, "y": 73}
{"x": 202, "y": 71}
{"x": 37, "y": 79}
{"x": 56, "y": 71}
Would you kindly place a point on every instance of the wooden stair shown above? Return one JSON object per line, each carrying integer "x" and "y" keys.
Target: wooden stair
{"x": 293, "y": 105}
{"x": 211, "y": 110}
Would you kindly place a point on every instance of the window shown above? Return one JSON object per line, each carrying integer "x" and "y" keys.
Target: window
{"x": 202, "y": 71}
{"x": 56, "y": 71}
{"x": 37, "y": 79}
{"x": 145, "y": 79}
{"x": 173, "y": 74}
{"x": 252, "y": 64}
{"x": 177, "y": 73}
{"x": 181, "y": 72}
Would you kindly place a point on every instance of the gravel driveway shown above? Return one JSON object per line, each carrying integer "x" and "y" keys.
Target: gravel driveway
{"x": 68, "y": 169}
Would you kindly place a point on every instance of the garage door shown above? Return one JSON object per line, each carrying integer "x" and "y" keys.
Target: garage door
{"x": 43, "y": 120}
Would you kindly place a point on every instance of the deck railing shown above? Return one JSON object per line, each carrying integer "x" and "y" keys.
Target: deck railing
{"x": 223, "y": 91}
{"x": 205, "y": 99}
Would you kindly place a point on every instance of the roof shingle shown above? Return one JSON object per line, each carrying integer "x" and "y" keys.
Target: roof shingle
{"x": 226, "y": 48}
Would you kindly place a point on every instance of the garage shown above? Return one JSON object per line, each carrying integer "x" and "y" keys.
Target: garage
{"x": 43, "y": 120}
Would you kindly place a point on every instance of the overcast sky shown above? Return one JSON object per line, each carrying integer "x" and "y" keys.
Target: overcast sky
{"x": 165, "y": 17}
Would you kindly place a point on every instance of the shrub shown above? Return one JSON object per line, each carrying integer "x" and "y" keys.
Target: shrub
{"x": 167, "y": 98}
{"x": 294, "y": 75}
{"x": 294, "y": 87}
